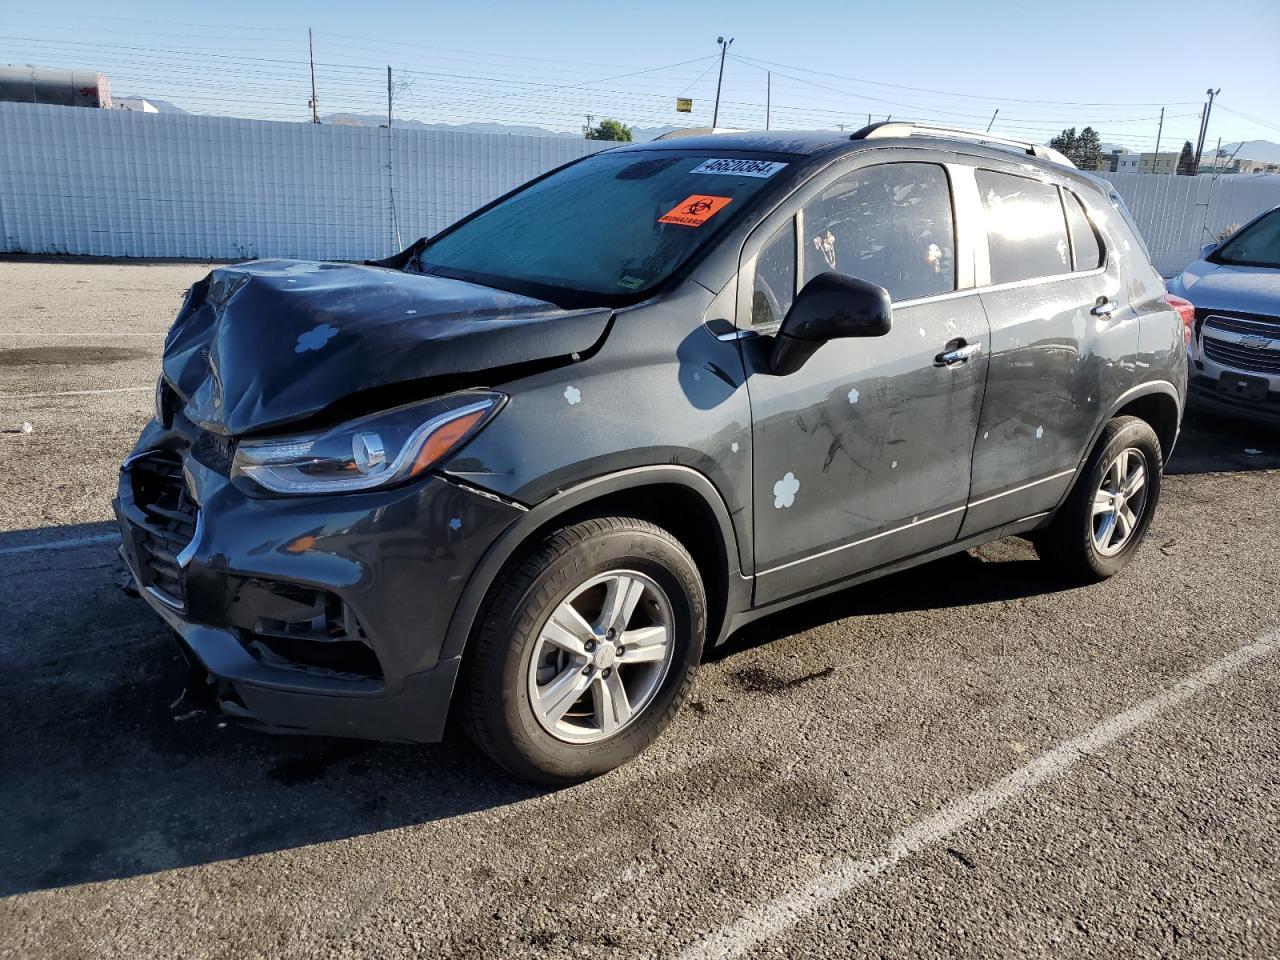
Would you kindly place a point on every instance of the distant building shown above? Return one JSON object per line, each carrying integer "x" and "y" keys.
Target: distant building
{"x": 68, "y": 88}
{"x": 137, "y": 104}
{"x": 1124, "y": 162}
{"x": 1224, "y": 164}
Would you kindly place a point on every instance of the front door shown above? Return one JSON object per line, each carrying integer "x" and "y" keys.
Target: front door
{"x": 863, "y": 455}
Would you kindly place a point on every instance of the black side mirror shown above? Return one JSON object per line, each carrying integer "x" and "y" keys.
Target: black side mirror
{"x": 830, "y": 305}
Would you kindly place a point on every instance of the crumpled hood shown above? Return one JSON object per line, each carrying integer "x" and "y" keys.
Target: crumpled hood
{"x": 265, "y": 343}
{"x": 1212, "y": 286}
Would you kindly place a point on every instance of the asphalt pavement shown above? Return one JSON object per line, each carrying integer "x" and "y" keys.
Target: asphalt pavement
{"x": 970, "y": 759}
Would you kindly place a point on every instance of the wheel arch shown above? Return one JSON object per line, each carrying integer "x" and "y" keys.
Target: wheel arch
{"x": 679, "y": 499}
{"x": 1157, "y": 402}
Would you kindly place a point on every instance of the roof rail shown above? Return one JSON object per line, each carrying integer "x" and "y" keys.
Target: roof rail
{"x": 893, "y": 128}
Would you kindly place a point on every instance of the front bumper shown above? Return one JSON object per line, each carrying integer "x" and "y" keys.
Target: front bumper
{"x": 370, "y": 581}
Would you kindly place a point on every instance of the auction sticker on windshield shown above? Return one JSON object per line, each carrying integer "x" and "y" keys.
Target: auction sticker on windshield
{"x": 695, "y": 210}
{"x": 739, "y": 168}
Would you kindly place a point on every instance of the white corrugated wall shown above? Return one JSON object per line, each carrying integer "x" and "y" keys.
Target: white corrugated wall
{"x": 126, "y": 184}
{"x": 1179, "y": 215}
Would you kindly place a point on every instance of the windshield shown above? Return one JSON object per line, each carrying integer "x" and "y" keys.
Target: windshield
{"x": 609, "y": 227}
{"x": 1257, "y": 245}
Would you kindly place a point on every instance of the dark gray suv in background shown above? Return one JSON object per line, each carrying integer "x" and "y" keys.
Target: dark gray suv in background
{"x": 527, "y": 470}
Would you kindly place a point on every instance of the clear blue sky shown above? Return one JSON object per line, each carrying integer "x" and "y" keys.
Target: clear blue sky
{"x": 1045, "y": 66}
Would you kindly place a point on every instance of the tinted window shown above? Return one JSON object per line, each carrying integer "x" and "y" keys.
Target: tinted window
{"x": 1026, "y": 231}
{"x": 775, "y": 283}
{"x": 605, "y": 228}
{"x": 1084, "y": 239}
{"x": 890, "y": 224}
{"x": 1256, "y": 246}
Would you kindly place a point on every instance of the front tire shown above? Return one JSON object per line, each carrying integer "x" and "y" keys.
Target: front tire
{"x": 586, "y": 650}
{"x": 1100, "y": 527}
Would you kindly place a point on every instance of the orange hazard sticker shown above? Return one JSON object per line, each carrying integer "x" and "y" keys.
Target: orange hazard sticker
{"x": 695, "y": 210}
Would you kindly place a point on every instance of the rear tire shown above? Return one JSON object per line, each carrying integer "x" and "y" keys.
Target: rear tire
{"x": 1097, "y": 531}
{"x": 612, "y": 612}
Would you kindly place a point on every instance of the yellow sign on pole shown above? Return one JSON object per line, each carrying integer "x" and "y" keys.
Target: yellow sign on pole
{"x": 684, "y": 105}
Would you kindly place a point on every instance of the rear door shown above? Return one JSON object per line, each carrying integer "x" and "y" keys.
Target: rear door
{"x": 1061, "y": 327}
{"x": 863, "y": 455}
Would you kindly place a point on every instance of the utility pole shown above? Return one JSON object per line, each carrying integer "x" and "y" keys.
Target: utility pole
{"x": 391, "y": 173}
{"x": 768, "y": 96}
{"x": 1204, "y": 125}
{"x": 1155, "y": 164}
{"x": 724, "y": 48}
{"x": 587, "y": 134}
{"x": 993, "y": 120}
{"x": 315, "y": 107}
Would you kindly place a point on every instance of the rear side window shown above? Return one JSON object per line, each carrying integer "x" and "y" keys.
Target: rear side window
{"x": 775, "y": 282}
{"x": 1084, "y": 239}
{"x": 889, "y": 224}
{"x": 1026, "y": 230}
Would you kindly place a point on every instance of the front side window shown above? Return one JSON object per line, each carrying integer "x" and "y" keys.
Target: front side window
{"x": 1026, "y": 229}
{"x": 1258, "y": 245}
{"x": 605, "y": 229}
{"x": 774, "y": 286}
{"x": 891, "y": 225}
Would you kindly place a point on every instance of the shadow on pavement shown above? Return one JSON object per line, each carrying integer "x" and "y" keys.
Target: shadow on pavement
{"x": 101, "y": 782}
{"x": 1210, "y": 443}
{"x": 1009, "y": 570}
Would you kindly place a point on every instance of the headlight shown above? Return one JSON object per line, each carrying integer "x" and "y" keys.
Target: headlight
{"x": 374, "y": 451}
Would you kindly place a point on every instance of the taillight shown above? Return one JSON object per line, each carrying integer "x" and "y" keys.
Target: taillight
{"x": 1187, "y": 311}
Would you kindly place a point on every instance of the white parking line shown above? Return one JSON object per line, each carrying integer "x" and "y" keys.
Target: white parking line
{"x": 60, "y": 544}
{"x": 776, "y": 916}
{"x": 73, "y": 393}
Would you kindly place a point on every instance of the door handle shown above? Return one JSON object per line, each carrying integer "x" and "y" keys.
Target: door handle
{"x": 957, "y": 355}
{"x": 1104, "y": 307}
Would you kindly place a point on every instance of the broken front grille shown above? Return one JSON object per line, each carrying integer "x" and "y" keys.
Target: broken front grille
{"x": 160, "y": 492}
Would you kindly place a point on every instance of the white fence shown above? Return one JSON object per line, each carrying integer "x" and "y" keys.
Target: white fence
{"x": 125, "y": 184}
{"x": 1179, "y": 215}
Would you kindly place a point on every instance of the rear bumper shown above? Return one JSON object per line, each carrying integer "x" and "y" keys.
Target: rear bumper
{"x": 1204, "y": 395}
{"x": 315, "y": 614}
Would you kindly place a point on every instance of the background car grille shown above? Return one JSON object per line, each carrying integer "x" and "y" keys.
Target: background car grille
{"x": 1245, "y": 358}
{"x": 1256, "y": 325}
{"x": 160, "y": 492}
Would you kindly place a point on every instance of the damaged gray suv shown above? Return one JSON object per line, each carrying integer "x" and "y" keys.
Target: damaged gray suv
{"x": 526, "y": 471}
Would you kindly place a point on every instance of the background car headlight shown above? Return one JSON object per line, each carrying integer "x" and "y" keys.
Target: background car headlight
{"x": 373, "y": 451}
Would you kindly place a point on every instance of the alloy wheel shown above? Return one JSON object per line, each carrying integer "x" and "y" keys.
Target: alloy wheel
{"x": 1119, "y": 502}
{"x": 601, "y": 656}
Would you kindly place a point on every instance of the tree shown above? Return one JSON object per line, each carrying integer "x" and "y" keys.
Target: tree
{"x": 1088, "y": 155}
{"x": 1065, "y": 142}
{"x": 610, "y": 130}
{"x": 1187, "y": 161}
{"x": 1083, "y": 149}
